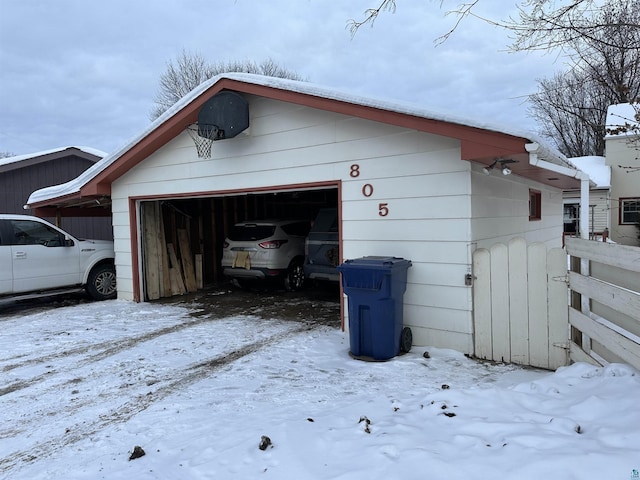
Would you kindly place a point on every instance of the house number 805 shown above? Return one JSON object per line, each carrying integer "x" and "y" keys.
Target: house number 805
{"x": 367, "y": 190}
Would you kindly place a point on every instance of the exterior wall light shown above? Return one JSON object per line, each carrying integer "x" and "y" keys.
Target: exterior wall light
{"x": 503, "y": 166}
{"x": 487, "y": 170}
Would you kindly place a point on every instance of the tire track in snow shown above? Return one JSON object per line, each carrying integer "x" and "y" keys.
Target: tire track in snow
{"x": 119, "y": 381}
{"x": 122, "y": 413}
{"x": 101, "y": 350}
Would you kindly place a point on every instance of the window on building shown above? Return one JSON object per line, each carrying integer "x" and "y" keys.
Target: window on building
{"x": 571, "y": 217}
{"x": 535, "y": 205}
{"x": 629, "y": 211}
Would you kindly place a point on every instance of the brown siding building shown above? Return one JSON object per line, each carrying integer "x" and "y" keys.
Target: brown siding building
{"x": 21, "y": 175}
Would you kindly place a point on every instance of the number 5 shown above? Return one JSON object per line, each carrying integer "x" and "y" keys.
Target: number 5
{"x": 383, "y": 209}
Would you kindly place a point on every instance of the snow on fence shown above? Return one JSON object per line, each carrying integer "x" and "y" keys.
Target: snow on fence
{"x": 605, "y": 302}
{"x": 520, "y": 304}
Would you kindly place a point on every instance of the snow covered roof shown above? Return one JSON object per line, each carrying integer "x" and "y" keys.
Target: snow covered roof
{"x": 305, "y": 88}
{"x": 20, "y": 158}
{"x": 596, "y": 168}
{"x": 622, "y": 116}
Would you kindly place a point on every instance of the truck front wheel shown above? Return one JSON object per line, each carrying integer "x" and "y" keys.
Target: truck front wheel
{"x": 101, "y": 284}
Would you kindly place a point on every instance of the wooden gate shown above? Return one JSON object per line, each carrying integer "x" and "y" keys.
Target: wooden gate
{"x": 605, "y": 302}
{"x": 520, "y": 299}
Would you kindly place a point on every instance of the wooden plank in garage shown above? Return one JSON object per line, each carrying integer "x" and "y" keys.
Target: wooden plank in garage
{"x": 187, "y": 260}
{"x": 175, "y": 272}
{"x": 165, "y": 285}
{"x": 151, "y": 265}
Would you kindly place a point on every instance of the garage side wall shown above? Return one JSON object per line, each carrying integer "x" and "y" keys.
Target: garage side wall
{"x": 404, "y": 193}
{"x": 500, "y": 211}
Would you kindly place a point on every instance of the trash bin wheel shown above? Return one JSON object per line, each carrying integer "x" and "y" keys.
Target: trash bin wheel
{"x": 406, "y": 339}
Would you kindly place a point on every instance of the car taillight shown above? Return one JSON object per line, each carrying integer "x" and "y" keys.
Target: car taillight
{"x": 272, "y": 244}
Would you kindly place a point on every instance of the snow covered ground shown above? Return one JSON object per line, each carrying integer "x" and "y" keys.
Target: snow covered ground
{"x": 83, "y": 385}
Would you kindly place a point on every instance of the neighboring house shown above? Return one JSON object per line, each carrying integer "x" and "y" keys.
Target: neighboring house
{"x": 407, "y": 182}
{"x": 21, "y": 175}
{"x": 622, "y": 153}
{"x": 599, "y": 198}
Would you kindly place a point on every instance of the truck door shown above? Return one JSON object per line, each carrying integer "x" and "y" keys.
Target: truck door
{"x": 6, "y": 267}
{"x": 41, "y": 258}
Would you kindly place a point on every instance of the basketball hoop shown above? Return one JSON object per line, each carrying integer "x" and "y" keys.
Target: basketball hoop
{"x": 203, "y": 136}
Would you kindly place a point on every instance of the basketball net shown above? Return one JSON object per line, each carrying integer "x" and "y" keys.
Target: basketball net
{"x": 202, "y": 136}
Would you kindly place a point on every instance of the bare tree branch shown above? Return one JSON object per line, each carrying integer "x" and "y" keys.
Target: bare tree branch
{"x": 370, "y": 15}
{"x": 601, "y": 38}
{"x": 191, "y": 69}
{"x": 571, "y": 107}
{"x": 571, "y": 112}
{"x": 462, "y": 12}
{"x": 539, "y": 25}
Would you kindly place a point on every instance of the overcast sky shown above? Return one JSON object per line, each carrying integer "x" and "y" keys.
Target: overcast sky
{"x": 85, "y": 73}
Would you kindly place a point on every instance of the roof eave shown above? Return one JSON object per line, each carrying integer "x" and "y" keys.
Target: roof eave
{"x": 477, "y": 144}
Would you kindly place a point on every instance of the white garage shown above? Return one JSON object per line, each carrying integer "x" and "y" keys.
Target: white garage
{"x": 407, "y": 183}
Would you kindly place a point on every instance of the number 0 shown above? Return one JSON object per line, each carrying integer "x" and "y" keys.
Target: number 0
{"x": 367, "y": 190}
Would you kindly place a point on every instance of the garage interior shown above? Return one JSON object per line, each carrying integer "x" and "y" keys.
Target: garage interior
{"x": 182, "y": 238}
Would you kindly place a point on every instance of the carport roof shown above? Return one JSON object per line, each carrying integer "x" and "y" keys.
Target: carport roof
{"x": 480, "y": 142}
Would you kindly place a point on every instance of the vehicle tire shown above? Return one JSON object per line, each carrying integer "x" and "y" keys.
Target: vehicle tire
{"x": 241, "y": 283}
{"x": 294, "y": 280}
{"x": 101, "y": 284}
{"x": 406, "y": 340}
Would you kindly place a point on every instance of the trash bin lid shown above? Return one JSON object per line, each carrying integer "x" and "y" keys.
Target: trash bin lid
{"x": 375, "y": 262}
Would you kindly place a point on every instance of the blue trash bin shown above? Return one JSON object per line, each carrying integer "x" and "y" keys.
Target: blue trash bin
{"x": 375, "y": 287}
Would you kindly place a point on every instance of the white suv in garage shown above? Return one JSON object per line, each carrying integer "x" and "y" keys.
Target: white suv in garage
{"x": 37, "y": 257}
{"x": 266, "y": 249}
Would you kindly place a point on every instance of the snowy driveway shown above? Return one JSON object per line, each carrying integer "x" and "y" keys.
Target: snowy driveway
{"x": 197, "y": 384}
{"x": 87, "y": 367}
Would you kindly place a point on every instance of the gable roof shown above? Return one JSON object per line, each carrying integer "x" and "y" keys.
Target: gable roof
{"x": 26, "y": 160}
{"x": 480, "y": 142}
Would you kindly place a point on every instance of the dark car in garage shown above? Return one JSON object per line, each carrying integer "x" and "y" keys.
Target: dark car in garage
{"x": 323, "y": 247}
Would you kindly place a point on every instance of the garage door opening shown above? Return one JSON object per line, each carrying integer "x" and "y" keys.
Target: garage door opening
{"x": 182, "y": 239}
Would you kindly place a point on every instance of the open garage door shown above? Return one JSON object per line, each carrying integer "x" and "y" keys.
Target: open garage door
{"x": 182, "y": 239}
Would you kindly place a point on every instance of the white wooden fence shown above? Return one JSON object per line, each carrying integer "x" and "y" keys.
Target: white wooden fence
{"x": 605, "y": 306}
{"x": 520, "y": 304}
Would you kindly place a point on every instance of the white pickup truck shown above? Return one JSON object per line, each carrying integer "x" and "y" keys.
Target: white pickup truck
{"x": 38, "y": 258}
